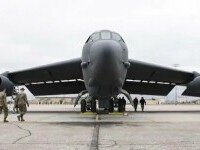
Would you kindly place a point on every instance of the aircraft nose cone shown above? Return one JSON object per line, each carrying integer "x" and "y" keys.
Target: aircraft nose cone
{"x": 105, "y": 53}
{"x": 106, "y": 56}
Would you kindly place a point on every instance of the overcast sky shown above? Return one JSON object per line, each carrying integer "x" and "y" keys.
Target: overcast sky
{"x": 37, "y": 32}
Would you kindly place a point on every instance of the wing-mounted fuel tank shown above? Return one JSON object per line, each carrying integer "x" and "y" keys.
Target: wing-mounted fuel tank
{"x": 193, "y": 88}
{"x": 5, "y": 83}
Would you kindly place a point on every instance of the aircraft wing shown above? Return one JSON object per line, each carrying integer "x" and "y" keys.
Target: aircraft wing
{"x": 150, "y": 79}
{"x": 58, "y": 78}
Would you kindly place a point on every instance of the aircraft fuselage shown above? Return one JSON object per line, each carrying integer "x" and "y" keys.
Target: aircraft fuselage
{"x": 104, "y": 64}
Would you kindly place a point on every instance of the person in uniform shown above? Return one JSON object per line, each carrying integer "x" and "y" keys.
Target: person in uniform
{"x": 142, "y": 102}
{"x": 3, "y": 104}
{"x": 22, "y": 102}
{"x": 135, "y": 102}
{"x": 120, "y": 104}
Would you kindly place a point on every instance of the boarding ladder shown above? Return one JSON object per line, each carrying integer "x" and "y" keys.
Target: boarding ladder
{"x": 14, "y": 94}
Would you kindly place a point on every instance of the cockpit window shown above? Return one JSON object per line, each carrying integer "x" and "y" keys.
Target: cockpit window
{"x": 117, "y": 37}
{"x": 95, "y": 36}
{"x": 105, "y": 35}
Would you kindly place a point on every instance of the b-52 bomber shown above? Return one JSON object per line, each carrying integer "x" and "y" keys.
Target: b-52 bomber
{"x": 103, "y": 72}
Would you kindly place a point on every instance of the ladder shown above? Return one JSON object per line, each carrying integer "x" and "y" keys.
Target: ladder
{"x": 14, "y": 92}
{"x": 13, "y": 97}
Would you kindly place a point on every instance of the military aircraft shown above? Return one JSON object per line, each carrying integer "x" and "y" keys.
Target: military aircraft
{"x": 103, "y": 72}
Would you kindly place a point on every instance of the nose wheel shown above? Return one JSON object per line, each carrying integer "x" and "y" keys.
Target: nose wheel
{"x": 88, "y": 105}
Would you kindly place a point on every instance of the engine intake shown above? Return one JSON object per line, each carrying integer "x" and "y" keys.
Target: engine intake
{"x": 5, "y": 83}
{"x": 193, "y": 88}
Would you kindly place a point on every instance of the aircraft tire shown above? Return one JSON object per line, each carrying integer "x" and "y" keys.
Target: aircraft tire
{"x": 83, "y": 106}
{"x": 120, "y": 106}
{"x": 88, "y": 108}
{"x": 111, "y": 105}
{"x": 93, "y": 106}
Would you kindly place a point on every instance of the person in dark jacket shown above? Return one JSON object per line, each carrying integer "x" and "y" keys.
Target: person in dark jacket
{"x": 142, "y": 102}
{"x": 135, "y": 102}
{"x": 124, "y": 103}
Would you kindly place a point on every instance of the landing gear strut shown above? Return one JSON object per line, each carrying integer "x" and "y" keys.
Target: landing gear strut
{"x": 79, "y": 97}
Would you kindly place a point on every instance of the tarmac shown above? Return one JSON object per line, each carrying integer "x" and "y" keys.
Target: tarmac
{"x": 166, "y": 127}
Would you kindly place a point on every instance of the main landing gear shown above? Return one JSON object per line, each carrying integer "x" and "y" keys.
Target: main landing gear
{"x": 89, "y": 103}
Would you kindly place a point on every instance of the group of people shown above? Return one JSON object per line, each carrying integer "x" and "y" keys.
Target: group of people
{"x": 142, "y": 103}
{"x": 135, "y": 102}
{"x": 20, "y": 103}
{"x": 123, "y": 101}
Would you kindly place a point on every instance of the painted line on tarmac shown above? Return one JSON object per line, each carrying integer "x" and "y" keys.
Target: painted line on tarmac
{"x": 98, "y": 117}
{"x": 88, "y": 113}
{"x": 95, "y": 137}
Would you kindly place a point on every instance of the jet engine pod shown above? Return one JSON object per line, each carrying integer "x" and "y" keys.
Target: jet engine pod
{"x": 193, "y": 88}
{"x": 5, "y": 83}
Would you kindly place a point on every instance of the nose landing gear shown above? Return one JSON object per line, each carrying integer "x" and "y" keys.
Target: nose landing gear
{"x": 88, "y": 103}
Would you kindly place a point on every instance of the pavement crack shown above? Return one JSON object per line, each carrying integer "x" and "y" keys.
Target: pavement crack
{"x": 23, "y": 137}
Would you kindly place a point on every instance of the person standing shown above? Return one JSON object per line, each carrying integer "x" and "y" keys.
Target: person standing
{"x": 120, "y": 105}
{"x": 124, "y": 103}
{"x": 3, "y": 104}
{"x": 22, "y": 102}
{"x": 142, "y": 102}
{"x": 135, "y": 102}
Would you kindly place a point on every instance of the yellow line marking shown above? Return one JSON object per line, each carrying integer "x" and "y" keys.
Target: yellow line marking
{"x": 88, "y": 113}
{"x": 116, "y": 113}
{"x": 98, "y": 117}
